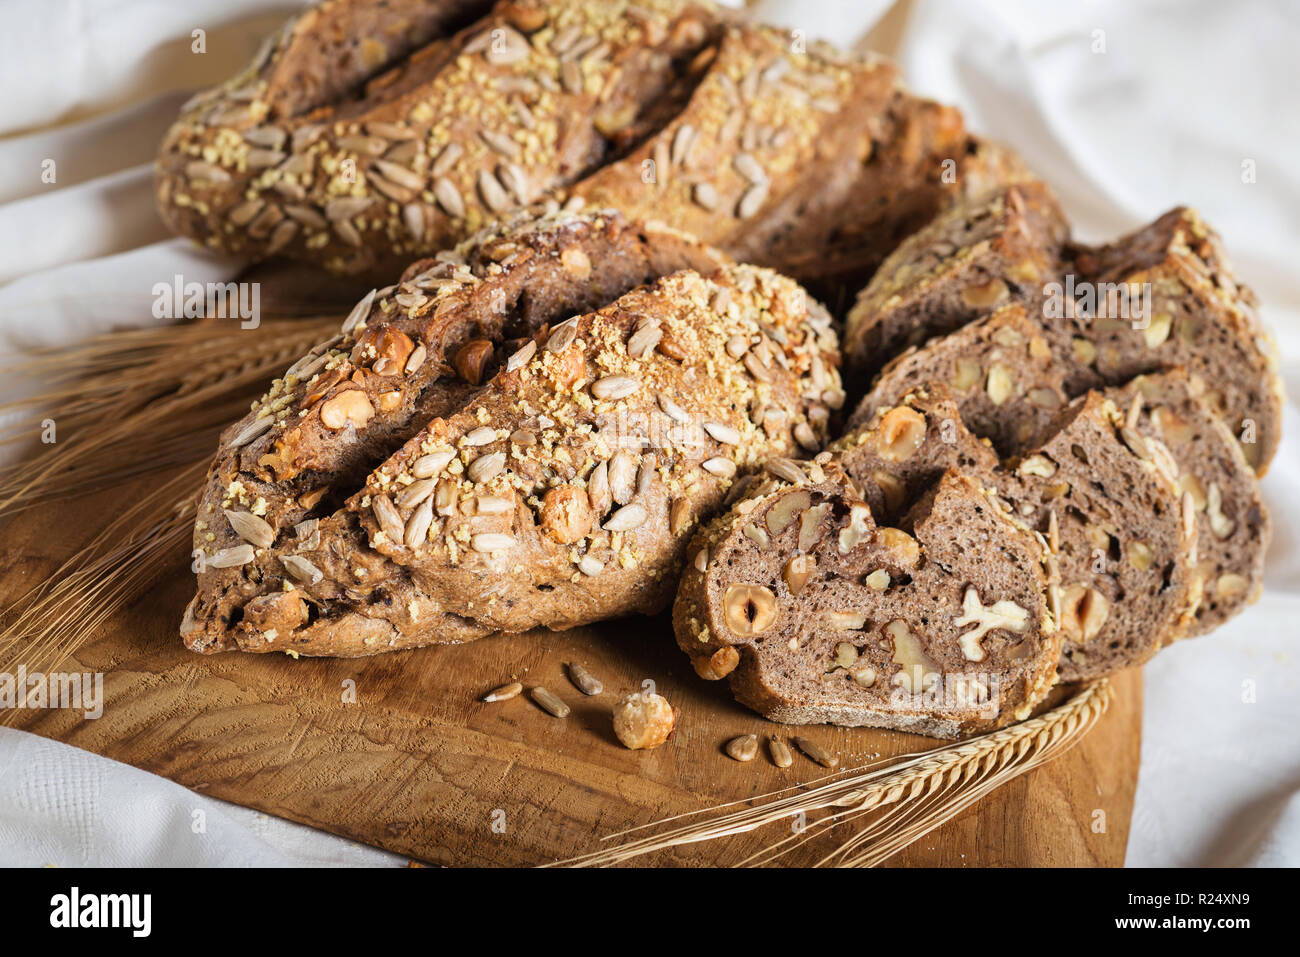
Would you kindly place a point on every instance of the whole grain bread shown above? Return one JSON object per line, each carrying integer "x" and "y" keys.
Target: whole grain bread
{"x": 1233, "y": 528}
{"x": 521, "y": 433}
{"x": 815, "y": 614}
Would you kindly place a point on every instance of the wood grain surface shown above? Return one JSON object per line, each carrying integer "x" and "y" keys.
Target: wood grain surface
{"x": 398, "y": 752}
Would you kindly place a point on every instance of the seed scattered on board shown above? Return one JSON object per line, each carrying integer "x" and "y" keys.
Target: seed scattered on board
{"x": 550, "y": 703}
{"x": 781, "y": 755}
{"x": 584, "y": 680}
{"x": 817, "y": 753}
{"x": 505, "y": 692}
{"x": 744, "y": 747}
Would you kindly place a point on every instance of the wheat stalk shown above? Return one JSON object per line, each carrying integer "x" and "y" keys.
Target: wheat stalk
{"x": 909, "y": 795}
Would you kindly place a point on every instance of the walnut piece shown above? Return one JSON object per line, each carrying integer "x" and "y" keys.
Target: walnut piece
{"x": 1001, "y": 614}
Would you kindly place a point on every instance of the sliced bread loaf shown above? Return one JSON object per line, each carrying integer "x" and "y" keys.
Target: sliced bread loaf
{"x": 814, "y": 614}
{"x": 1232, "y": 526}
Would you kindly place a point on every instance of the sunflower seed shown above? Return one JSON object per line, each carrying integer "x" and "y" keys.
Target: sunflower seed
{"x": 743, "y": 748}
{"x": 307, "y": 216}
{"x": 683, "y": 140}
{"x": 523, "y": 437}
{"x": 571, "y": 77}
{"x": 252, "y": 430}
{"x": 737, "y": 346}
{"x": 337, "y": 210}
{"x": 394, "y": 191}
{"x": 262, "y": 158}
{"x": 389, "y": 519}
{"x": 679, "y": 515}
{"x": 483, "y": 435}
{"x": 516, "y": 181}
{"x": 786, "y": 470}
{"x": 723, "y": 433}
{"x": 305, "y": 136}
{"x": 493, "y": 193}
{"x": 562, "y": 336}
{"x": 550, "y": 703}
{"x": 417, "y": 528}
{"x": 493, "y": 504}
{"x": 486, "y": 467}
{"x": 673, "y": 410}
{"x": 614, "y": 387}
{"x": 448, "y": 197}
{"x": 360, "y": 312}
{"x": 246, "y": 212}
{"x": 627, "y": 518}
{"x": 269, "y": 137}
{"x": 780, "y": 752}
{"x": 491, "y": 542}
{"x": 301, "y": 569}
{"x": 399, "y": 174}
{"x": 281, "y": 236}
{"x": 396, "y": 132}
{"x": 622, "y": 476}
{"x": 598, "y": 490}
{"x": 230, "y": 116}
{"x": 566, "y": 38}
{"x": 645, "y": 475}
{"x": 705, "y": 196}
{"x": 724, "y": 468}
{"x": 522, "y": 355}
{"x": 427, "y": 466}
{"x": 356, "y": 143}
{"x": 231, "y": 557}
{"x": 206, "y": 172}
{"x": 585, "y": 681}
{"x": 447, "y": 159}
{"x": 290, "y": 190}
{"x": 415, "y": 359}
{"x": 590, "y": 566}
{"x": 251, "y": 528}
{"x": 348, "y": 233}
{"x": 749, "y": 168}
{"x": 506, "y": 46}
{"x": 804, "y": 435}
{"x": 756, "y": 368}
{"x": 816, "y": 752}
{"x": 415, "y": 493}
{"x": 499, "y": 142}
{"x": 505, "y": 692}
{"x": 752, "y": 201}
{"x": 644, "y": 341}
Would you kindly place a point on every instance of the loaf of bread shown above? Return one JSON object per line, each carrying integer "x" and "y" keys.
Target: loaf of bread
{"x": 1011, "y": 247}
{"x": 999, "y": 369}
{"x": 522, "y": 432}
{"x": 815, "y": 614}
{"x": 369, "y": 133}
{"x": 1232, "y": 525}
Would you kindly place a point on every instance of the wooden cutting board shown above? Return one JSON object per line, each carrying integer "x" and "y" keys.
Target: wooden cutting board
{"x": 398, "y": 752}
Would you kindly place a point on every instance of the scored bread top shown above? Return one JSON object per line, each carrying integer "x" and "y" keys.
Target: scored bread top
{"x": 815, "y": 614}
{"x": 311, "y": 493}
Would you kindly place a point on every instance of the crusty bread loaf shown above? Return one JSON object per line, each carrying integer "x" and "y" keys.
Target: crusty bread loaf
{"x": 814, "y": 614}
{"x": 482, "y": 451}
{"x": 1199, "y": 317}
{"x": 368, "y": 133}
{"x": 999, "y": 369}
{"x": 989, "y": 251}
{"x": 1232, "y": 525}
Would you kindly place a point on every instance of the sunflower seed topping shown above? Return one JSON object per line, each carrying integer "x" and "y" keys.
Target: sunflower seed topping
{"x": 417, "y": 528}
{"x": 584, "y": 680}
{"x": 486, "y": 467}
{"x": 448, "y": 197}
{"x": 487, "y": 542}
{"x": 251, "y": 528}
{"x": 359, "y": 312}
{"x": 627, "y": 518}
{"x": 232, "y": 557}
{"x": 723, "y": 433}
{"x": 389, "y": 519}
{"x": 505, "y": 692}
{"x": 301, "y": 569}
{"x": 550, "y": 703}
{"x": 590, "y": 566}
{"x": 522, "y": 355}
{"x": 614, "y": 387}
{"x": 427, "y": 466}
{"x": 415, "y": 493}
{"x": 722, "y": 467}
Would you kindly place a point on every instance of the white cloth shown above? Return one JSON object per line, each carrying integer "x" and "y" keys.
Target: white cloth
{"x": 1126, "y": 108}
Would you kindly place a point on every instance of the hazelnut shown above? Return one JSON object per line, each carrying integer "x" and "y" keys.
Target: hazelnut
{"x": 966, "y": 374}
{"x": 999, "y": 385}
{"x": 347, "y": 408}
{"x": 797, "y": 572}
{"x": 985, "y": 295}
{"x": 1039, "y": 465}
{"x": 1084, "y": 351}
{"x": 900, "y": 433}
{"x": 905, "y": 548}
{"x": 1230, "y": 584}
{"x": 1140, "y": 555}
{"x": 643, "y": 720}
{"x": 472, "y": 358}
{"x": 717, "y": 665}
{"x": 1083, "y": 612}
{"x": 891, "y": 487}
{"x": 1157, "y": 331}
{"x": 749, "y": 609}
{"x": 576, "y": 262}
{"x": 566, "y": 514}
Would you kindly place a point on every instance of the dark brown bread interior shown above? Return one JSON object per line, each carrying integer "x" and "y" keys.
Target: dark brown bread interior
{"x": 960, "y": 592}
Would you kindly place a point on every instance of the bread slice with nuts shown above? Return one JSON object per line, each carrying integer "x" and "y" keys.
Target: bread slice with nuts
{"x": 363, "y": 504}
{"x": 1105, "y": 498}
{"x": 814, "y": 614}
{"x": 999, "y": 369}
{"x": 1197, "y": 316}
{"x": 990, "y": 251}
{"x": 1232, "y": 525}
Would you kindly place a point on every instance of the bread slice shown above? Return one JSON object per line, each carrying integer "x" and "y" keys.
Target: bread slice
{"x": 1198, "y": 316}
{"x": 363, "y": 504}
{"x": 991, "y": 251}
{"x": 1105, "y": 498}
{"x": 1101, "y": 493}
{"x": 1233, "y": 528}
{"x": 816, "y": 615}
{"x": 999, "y": 369}
{"x": 904, "y": 449}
